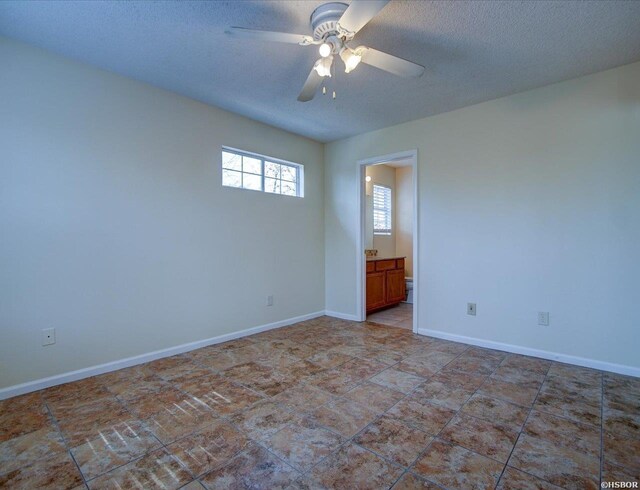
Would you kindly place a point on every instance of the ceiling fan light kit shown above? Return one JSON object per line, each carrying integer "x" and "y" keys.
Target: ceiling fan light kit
{"x": 323, "y": 66}
{"x": 351, "y": 58}
{"x": 334, "y": 26}
{"x": 325, "y": 49}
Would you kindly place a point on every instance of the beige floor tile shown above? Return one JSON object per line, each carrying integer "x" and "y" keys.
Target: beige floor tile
{"x": 577, "y": 373}
{"x": 179, "y": 420}
{"x": 87, "y": 421}
{"x": 209, "y": 448}
{"x": 510, "y": 392}
{"x": 458, "y": 379}
{"x": 355, "y": 467}
{"x": 621, "y": 422}
{"x": 304, "y": 443}
{"x": 495, "y": 410}
{"x": 394, "y": 440}
{"x": 442, "y": 394}
{"x": 614, "y": 473}
{"x": 21, "y": 415}
{"x": 571, "y": 406}
{"x": 30, "y": 447}
{"x": 397, "y": 380}
{"x": 303, "y": 398}
{"x": 114, "y": 447}
{"x": 421, "y": 415}
{"x": 564, "y": 432}
{"x": 57, "y": 472}
{"x": 518, "y": 376}
{"x": 556, "y": 464}
{"x": 489, "y": 439}
{"x": 344, "y": 417}
{"x": 528, "y": 363}
{"x": 329, "y": 359}
{"x": 474, "y": 365}
{"x": 253, "y": 468}
{"x": 454, "y": 467}
{"x": 622, "y": 451}
{"x": 375, "y": 396}
{"x": 158, "y": 469}
{"x": 262, "y": 420}
{"x": 409, "y": 481}
{"x": 513, "y": 479}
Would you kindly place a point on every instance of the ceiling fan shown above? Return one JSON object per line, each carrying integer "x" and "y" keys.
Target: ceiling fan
{"x": 334, "y": 26}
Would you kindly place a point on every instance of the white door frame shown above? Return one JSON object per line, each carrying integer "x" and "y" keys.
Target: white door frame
{"x": 361, "y": 302}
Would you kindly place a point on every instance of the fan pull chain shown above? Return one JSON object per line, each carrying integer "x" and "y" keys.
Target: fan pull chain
{"x": 334, "y": 80}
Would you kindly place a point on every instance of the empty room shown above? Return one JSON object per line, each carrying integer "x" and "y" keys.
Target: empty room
{"x": 298, "y": 244}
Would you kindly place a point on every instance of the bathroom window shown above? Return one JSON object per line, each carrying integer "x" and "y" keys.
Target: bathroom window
{"x": 255, "y": 172}
{"x": 381, "y": 210}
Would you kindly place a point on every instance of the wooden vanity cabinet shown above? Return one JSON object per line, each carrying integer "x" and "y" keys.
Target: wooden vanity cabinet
{"x": 385, "y": 283}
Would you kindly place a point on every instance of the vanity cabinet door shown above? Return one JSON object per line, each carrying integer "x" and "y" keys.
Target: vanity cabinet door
{"x": 395, "y": 286}
{"x": 376, "y": 289}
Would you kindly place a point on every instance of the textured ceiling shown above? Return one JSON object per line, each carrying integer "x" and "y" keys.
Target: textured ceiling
{"x": 474, "y": 51}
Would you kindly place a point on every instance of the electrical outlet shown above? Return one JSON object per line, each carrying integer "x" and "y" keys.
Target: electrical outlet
{"x": 471, "y": 309}
{"x": 543, "y": 318}
{"x": 270, "y": 300}
{"x": 48, "y": 336}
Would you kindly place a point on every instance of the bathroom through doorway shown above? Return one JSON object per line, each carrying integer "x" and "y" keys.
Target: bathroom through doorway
{"x": 388, "y": 240}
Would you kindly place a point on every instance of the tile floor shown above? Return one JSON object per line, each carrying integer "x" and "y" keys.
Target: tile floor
{"x": 400, "y": 316}
{"x": 328, "y": 404}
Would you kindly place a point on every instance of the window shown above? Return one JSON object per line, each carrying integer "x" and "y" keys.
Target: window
{"x": 381, "y": 210}
{"x": 259, "y": 173}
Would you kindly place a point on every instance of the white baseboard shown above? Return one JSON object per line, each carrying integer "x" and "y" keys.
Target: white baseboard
{"x": 527, "y": 351}
{"x": 342, "y": 316}
{"x": 58, "y": 379}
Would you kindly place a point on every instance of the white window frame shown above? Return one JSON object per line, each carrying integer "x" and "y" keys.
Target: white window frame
{"x": 387, "y": 211}
{"x": 299, "y": 168}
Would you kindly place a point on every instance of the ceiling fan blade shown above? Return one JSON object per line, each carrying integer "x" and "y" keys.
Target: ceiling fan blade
{"x": 310, "y": 86}
{"x": 390, "y": 63}
{"x": 359, "y": 13}
{"x": 278, "y": 37}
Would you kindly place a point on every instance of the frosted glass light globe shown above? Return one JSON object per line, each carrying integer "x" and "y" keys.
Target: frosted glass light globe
{"x": 325, "y": 50}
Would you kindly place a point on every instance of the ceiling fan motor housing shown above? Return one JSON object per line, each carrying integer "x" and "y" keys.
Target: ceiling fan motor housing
{"x": 324, "y": 19}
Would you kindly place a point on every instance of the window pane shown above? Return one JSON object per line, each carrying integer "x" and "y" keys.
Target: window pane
{"x": 260, "y": 174}
{"x": 289, "y": 173}
{"x": 231, "y": 161}
{"x": 231, "y": 178}
{"x": 288, "y": 188}
{"x": 381, "y": 210}
{"x": 272, "y": 185}
{"x": 252, "y": 182}
{"x": 272, "y": 169}
{"x": 252, "y": 165}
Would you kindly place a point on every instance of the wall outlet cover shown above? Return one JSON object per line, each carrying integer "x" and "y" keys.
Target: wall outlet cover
{"x": 471, "y": 309}
{"x": 543, "y": 318}
{"x": 270, "y": 300}
{"x": 48, "y": 336}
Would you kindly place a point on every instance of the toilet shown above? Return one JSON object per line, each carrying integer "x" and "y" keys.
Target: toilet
{"x": 408, "y": 281}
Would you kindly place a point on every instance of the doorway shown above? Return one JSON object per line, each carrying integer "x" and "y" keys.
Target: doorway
{"x": 388, "y": 210}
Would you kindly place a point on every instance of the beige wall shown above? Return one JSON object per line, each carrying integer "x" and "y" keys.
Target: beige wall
{"x": 404, "y": 217}
{"x": 527, "y": 203}
{"x": 116, "y": 231}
